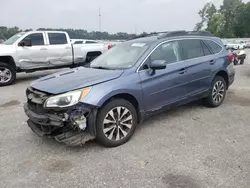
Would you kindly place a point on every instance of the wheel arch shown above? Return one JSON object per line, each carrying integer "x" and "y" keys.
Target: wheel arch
{"x": 9, "y": 60}
{"x": 126, "y": 96}
{"x": 224, "y": 75}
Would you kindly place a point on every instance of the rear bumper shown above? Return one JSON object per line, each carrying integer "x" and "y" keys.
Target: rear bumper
{"x": 231, "y": 77}
{"x": 231, "y": 80}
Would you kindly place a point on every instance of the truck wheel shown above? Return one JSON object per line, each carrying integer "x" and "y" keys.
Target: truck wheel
{"x": 217, "y": 93}
{"x": 116, "y": 123}
{"x": 7, "y": 74}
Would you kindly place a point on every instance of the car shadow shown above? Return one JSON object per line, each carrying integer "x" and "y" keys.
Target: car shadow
{"x": 173, "y": 112}
{"x": 93, "y": 145}
{"x": 178, "y": 111}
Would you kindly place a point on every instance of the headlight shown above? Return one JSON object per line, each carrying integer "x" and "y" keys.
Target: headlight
{"x": 67, "y": 99}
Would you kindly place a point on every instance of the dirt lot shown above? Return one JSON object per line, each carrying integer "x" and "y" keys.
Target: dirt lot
{"x": 189, "y": 147}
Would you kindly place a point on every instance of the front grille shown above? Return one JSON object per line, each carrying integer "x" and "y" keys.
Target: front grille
{"x": 36, "y": 99}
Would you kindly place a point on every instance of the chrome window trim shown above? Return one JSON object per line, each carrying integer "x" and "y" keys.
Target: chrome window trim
{"x": 171, "y": 40}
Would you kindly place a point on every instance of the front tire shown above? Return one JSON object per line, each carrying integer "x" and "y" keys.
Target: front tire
{"x": 116, "y": 123}
{"x": 7, "y": 74}
{"x": 217, "y": 93}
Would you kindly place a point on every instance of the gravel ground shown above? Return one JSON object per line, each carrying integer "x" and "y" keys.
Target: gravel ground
{"x": 189, "y": 147}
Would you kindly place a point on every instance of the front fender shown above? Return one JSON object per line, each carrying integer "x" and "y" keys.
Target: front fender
{"x": 119, "y": 92}
{"x": 100, "y": 93}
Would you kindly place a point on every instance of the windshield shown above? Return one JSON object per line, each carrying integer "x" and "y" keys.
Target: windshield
{"x": 122, "y": 56}
{"x": 14, "y": 38}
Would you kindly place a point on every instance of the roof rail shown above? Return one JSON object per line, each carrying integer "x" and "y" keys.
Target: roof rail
{"x": 183, "y": 33}
{"x": 137, "y": 36}
{"x": 166, "y": 34}
{"x": 146, "y": 35}
{"x": 200, "y": 33}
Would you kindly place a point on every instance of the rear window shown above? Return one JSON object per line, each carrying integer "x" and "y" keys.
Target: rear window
{"x": 90, "y": 42}
{"x": 206, "y": 49}
{"x": 216, "y": 48}
{"x": 57, "y": 38}
{"x": 78, "y": 42}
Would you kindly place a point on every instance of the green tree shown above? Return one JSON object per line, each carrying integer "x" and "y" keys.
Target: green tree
{"x": 206, "y": 14}
{"x": 217, "y": 25}
{"x": 241, "y": 26}
{"x": 231, "y": 20}
{"x": 230, "y": 9}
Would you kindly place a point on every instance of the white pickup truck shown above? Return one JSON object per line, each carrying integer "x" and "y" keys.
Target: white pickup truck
{"x": 41, "y": 50}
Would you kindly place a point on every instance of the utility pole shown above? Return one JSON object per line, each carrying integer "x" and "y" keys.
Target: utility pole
{"x": 100, "y": 24}
{"x": 136, "y": 29}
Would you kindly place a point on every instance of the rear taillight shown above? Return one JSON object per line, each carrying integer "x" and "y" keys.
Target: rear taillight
{"x": 109, "y": 46}
{"x": 231, "y": 57}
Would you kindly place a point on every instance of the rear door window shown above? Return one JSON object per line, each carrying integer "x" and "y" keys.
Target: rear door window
{"x": 57, "y": 38}
{"x": 216, "y": 48}
{"x": 191, "y": 48}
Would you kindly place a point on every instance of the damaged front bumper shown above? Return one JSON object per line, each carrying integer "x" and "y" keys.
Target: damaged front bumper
{"x": 72, "y": 126}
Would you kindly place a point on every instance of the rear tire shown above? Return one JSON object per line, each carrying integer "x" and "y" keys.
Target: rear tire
{"x": 7, "y": 74}
{"x": 116, "y": 123}
{"x": 217, "y": 93}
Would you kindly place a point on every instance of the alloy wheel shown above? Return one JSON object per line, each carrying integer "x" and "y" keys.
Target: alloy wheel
{"x": 5, "y": 75}
{"x": 117, "y": 123}
{"x": 218, "y": 92}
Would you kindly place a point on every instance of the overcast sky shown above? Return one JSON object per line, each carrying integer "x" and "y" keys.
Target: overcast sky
{"x": 116, "y": 15}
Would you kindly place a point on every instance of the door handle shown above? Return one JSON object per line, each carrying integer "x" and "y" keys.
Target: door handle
{"x": 43, "y": 48}
{"x": 212, "y": 62}
{"x": 182, "y": 71}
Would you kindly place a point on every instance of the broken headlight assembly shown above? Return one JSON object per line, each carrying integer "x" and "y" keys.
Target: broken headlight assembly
{"x": 66, "y": 99}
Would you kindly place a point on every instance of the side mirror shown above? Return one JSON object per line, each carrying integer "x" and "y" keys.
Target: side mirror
{"x": 158, "y": 64}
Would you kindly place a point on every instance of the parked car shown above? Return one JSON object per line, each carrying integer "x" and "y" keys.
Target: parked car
{"x": 40, "y": 50}
{"x": 235, "y": 45}
{"x": 239, "y": 57}
{"x": 247, "y": 44}
{"x": 83, "y": 41}
{"x": 127, "y": 84}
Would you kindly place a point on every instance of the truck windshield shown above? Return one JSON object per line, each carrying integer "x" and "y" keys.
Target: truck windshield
{"x": 14, "y": 38}
{"x": 122, "y": 56}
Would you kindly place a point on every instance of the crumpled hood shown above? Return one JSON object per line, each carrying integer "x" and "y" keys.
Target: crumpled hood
{"x": 6, "y": 49}
{"x": 73, "y": 79}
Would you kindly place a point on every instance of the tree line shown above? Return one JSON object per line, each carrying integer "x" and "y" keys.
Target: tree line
{"x": 230, "y": 20}
{"x": 6, "y": 33}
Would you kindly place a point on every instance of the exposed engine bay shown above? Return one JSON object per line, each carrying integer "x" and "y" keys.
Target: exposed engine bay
{"x": 72, "y": 126}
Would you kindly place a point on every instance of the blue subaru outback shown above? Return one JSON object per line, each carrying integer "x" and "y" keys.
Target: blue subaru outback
{"x": 127, "y": 84}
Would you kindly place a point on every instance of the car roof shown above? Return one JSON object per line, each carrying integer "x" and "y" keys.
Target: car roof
{"x": 154, "y": 39}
